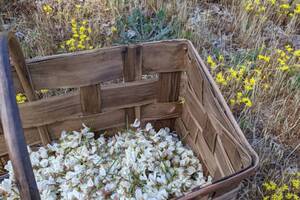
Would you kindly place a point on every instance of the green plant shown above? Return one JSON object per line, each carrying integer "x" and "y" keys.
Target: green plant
{"x": 139, "y": 26}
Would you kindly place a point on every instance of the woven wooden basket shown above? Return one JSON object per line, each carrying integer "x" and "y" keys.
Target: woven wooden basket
{"x": 180, "y": 94}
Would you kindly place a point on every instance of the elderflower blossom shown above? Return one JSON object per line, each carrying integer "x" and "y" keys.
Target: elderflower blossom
{"x": 134, "y": 164}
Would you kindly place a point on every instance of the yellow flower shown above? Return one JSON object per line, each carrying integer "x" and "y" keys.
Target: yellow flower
{"x": 114, "y": 29}
{"x": 297, "y": 53}
{"x": 269, "y": 186}
{"x": 239, "y": 97}
{"x": 233, "y": 73}
{"x": 47, "y": 9}
{"x": 272, "y": 2}
{"x": 249, "y": 84}
{"x": 211, "y": 62}
{"x": 261, "y": 8}
{"x": 220, "y": 79}
{"x": 289, "y": 48}
{"x": 281, "y": 61}
{"x": 297, "y": 9}
{"x": 91, "y": 47}
{"x": 285, "y": 6}
{"x": 78, "y": 6}
{"x": 247, "y": 101}
{"x": 284, "y": 68}
{"x": 249, "y": 7}
{"x": 296, "y": 183}
{"x": 264, "y": 58}
{"x": 266, "y": 198}
{"x": 44, "y": 91}
{"x": 232, "y": 102}
{"x": 221, "y": 58}
{"x": 289, "y": 195}
{"x": 20, "y": 98}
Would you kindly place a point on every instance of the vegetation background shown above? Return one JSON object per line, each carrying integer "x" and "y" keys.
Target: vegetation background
{"x": 252, "y": 48}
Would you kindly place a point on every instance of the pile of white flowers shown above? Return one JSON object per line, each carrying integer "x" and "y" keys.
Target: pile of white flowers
{"x": 135, "y": 164}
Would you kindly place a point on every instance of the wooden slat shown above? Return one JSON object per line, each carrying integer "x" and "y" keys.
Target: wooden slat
{"x": 18, "y": 61}
{"x": 195, "y": 108}
{"x": 195, "y": 79}
{"x": 95, "y": 66}
{"x": 168, "y": 91}
{"x": 129, "y": 94}
{"x": 54, "y": 109}
{"x": 90, "y": 97}
{"x": 76, "y": 69}
{"x": 222, "y": 158}
{"x": 101, "y": 121}
{"x": 132, "y": 70}
{"x": 164, "y": 57}
{"x": 161, "y": 111}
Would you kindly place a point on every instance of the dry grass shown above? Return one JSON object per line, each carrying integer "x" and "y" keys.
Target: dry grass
{"x": 216, "y": 27}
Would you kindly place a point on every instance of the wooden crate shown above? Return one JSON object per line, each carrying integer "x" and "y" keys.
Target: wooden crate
{"x": 181, "y": 95}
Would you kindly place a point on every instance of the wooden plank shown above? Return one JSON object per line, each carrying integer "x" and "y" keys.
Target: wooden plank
{"x": 18, "y": 61}
{"x": 129, "y": 94}
{"x": 195, "y": 79}
{"x": 90, "y": 98}
{"x": 132, "y": 70}
{"x": 100, "y": 121}
{"x": 51, "y": 110}
{"x": 12, "y": 128}
{"x": 195, "y": 107}
{"x": 59, "y": 108}
{"x": 76, "y": 69}
{"x": 222, "y": 158}
{"x": 168, "y": 91}
{"x": 164, "y": 57}
{"x": 95, "y": 66}
{"x": 161, "y": 111}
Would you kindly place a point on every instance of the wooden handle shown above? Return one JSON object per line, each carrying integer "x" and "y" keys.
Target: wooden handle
{"x": 12, "y": 128}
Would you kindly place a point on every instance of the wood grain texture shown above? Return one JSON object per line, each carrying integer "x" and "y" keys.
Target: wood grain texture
{"x": 168, "y": 91}
{"x": 59, "y": 108}
{"x": 19, "y": 64}
{"x": 132, "y": 70}
{"x": 90, "y": 99}
{"x": 13, "y": 131}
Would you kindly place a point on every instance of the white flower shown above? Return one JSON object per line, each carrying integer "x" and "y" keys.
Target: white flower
{"x": 81, "y": 167}
{"x": 136, "y": 123}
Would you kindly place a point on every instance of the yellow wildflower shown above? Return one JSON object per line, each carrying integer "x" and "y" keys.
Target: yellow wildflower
{"x": 296, "y": 183}
{"x": 211, "y": 62}
{"x": 261, "y": 8}
{"x": 270, "y": 186}
{"x": 232, "y": 102}
{"x": 47, "y": 9}
{"x": 221, "y": 58}
{"x": 220, "y": 79}
{"x": 44, "y": 91}
{"x": 249, "y": 7}
{"x": 233, "y": 73}
{"x": 264, "y": 58}
{"x": 20, "y": 98}
{"x": 285, "y": 6}
{"x": 289, "y": 195}
{"x": 284, "y": 68}
{"x": 114, "y": 29}
{"x": 297, "y": 53}
{"x": 272, "y": 2}
{"x": 89, "y": 30}
{"x": 78, "y": 6}
{"x": 84, "y": 22}
{"x": 266, "y": 198}
{"x": 297, "y": 9}
{"x": 289, "y": 48}
{"x": 247, "y": 101}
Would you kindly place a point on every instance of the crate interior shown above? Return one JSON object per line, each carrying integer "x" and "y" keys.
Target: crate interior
{"x": 175, "y": 93}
